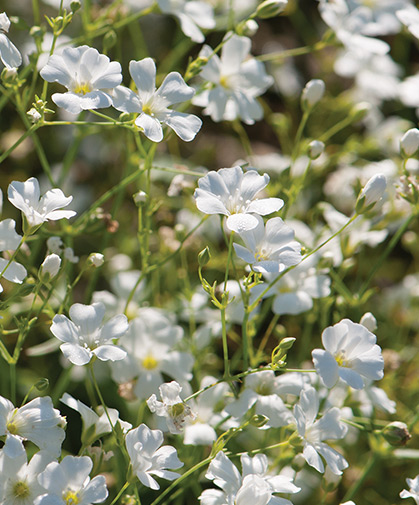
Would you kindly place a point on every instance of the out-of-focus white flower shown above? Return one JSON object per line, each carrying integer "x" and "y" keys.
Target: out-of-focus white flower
{"x": 84, "y": 336}
{"x": 9, "y": 241}
{"x": 172, "y": 407}
{"x": 70, "y": 256}
{"x": 269, "y": 248}
{"x": 36, "y": 421}
{"x": 148, "y": 458}
{"x": 410, "y": 18}
{"x": 26, "y": 196}
{"x": 88, "y": 75}
{"x": 9, "y": 54}
{"x": 50, "y": 267}
{"x": 372, "y": 193}
{"x": 315, "y": 149}
{"x": 191, "y": 14}
{"x": 413, "y": 491}
{"x": 351, "y": 353}
{"x": 232, "y": 193}
{"x": 152, "y": 104}
{"x": 55, "y": 245}
{"x": 69, "y": 482}
{"x": 313, "y": 431}
{"x": 253, "y": 487}
{"x": 409, "y": 143}
{"x": 312, "y": 93}
{"x": 270, "y": 8}
{"x": 235, "y": 81}
{"x": 96, "y": 259}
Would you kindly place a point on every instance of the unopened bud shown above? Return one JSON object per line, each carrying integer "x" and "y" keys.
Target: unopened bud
{"x": 96, "y": 259}
{"x": 75, "y": 6}
{"x": 371, "y": 194}
{"x": 409, "y": 143}
{"x": 109, "y": 40}
{"x": 312, "y": 93}
{"x": 315, "y": 149}
{"x": 258, "y": 420}
{"x": 247, "y": 28}
{"x": 359, "y": 111}
{"x": 33, "y": 115}
{"x": 369, "y": 321}
{"x": 49, "y": 268}
{"x": 270, "y": 8}
{"x": 4, "y": 22}
{"x": 396, "y": 433}
{"x": 42, "y": 384}
{"x": 204, "y": 256}
{"x": 140, "y": 198}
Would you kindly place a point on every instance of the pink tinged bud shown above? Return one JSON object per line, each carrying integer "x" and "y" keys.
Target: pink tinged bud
{"x": 312, "y": 93}
{"x": 409, "y": 143}
{"x": 371, "y": 194}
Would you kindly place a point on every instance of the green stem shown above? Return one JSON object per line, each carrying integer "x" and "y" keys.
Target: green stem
{"x": 297, "y": 140}
{"x": 298, "y": 51}
{"x": 18, "y": 142}
{"x": 124, "y": 487}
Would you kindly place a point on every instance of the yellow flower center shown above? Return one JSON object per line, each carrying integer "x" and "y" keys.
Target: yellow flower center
{"x": 224, "y": 82}
{"x": 340, "y": 358}
{"x": 70, "y": 498}
{"x": 12, "y": 428}
{"x": 261, "y": 255}
{"x": 21, "y": 490}
{"x": 149, "y": 362}
{"x": 147, "y": 110}
{"x": 82, "y": 89}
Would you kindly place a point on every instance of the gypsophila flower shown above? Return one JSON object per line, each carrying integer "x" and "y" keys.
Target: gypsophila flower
{"x": 88, "y": 75}
{"x": 351, "y": 353}
{"x": 37, "y": 209}
{"x": 68, "y": 482}
{"x": 153, "y": 105}
{"x": 232, "y": 193}
{"x": 413, "y": 491}
{"x": 96, "y": 259}
{"x": 84, "y": 336}
{"x": 9, "y": 54}
{"x": 9, "y": 241}
{"x": 172, "y": 407}
{"x": 148, "y": 459}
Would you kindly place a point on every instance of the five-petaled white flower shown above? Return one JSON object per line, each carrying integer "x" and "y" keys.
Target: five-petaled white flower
{"x": 36, "y": 421}
{"x": 413, "y": 491}
{"x": 84, "y": 336}
{"x": 148, "y": 458}
{"x": 351, "y": 354}
{"x": 172, "y": 407}
{"x": 26, "y": 196}
{"x": 9, "y": 54}
{"x": 68, "y": 483}
{"x": 313, "y": 432}
{"x": 253, "y": 487}
{"x": 269, "y": 248}
{"x": 88, "y": 75}
{"x": 234, "y": 82}
{"x": 231, "y": 192}
{"x": 9, "y": 241}
{"x": 152, "y": 104}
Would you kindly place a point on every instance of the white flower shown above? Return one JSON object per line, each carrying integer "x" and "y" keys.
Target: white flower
{"x": 152, "y": 104}
{"x": 84, "y": 336}
{"x": 9, "y": 241}
{"x": 26, "y": 196}
{"x": 409, "y": 143}
{"x": 313, "y": 432}
{"x": 36, "y": 421}
{"x": 172, "y": 407}
{"x": 9, "y": 54}
{"x": 269, "y": 248}
{"x": 351, "y": 354}
{"x": 19, "y": 479}
{"x": 70, "y": 256}
{"x": 148, "y": 458}
{"x": 96, "y": 259}
{"x": 88, "y": 76}
{"x": 94, "y": 425}
{"x": 150, "y": 343}
{"x": 191, "y": 14}
{"x": 253, "y": 487}
{"x": 55, "y": 245}
{"x": 50, "y": 267}
{"x": 235, "y": 82}
{"x": 68, "y": 483}
{"x": 232, "y": 193}
{"x": 413, "y": 491}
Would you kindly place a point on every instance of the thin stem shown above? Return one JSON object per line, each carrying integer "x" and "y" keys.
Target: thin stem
{"x": 288, "y": 53}
{"x": 297, "y": 140}
{"x": 6, "y": 153}
{"x": 124, "y": 487}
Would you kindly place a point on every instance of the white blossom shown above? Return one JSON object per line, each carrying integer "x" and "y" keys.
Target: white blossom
{"x": 9, "y": 241}
{"x": 9, "y": 54}
{"x": 413, "y": 489}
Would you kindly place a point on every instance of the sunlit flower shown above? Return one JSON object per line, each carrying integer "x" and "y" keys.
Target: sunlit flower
{"x": 68, "y": 482}
{"x": 26, "y": 196}
{"x": 413, "y": 491}
{"x": 9, "y": 241}
{"x": 9, "y": 54}
{"x": 235, "y": 82}
{"x": 84, "y": 336}
{"x": 153, "y": 105}
{"x": 148, "y": 459}
{"x": 351, "y": 353}
{"x": 232, "y": 193}
{"x": 88, "y": 75}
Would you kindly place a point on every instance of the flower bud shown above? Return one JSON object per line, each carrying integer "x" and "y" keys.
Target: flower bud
{"x": 259, "y": 420}
{"x": 140, "y": 198}
{"x": 270, "y": 8}
{"x": 369, "y": 321}
{"x": 203, "y": 257}
{"x": 409, "y": 143}
{"x": 49, "y": 268}
{"x": 109, "y": 40}
{"x": 315, "y": 149}
{"x": 359, "y": 111}
{"x": 312, "y": 93}
{"x": 96, "y": 259}
{"x": 396, "y": 433}
{"x": 33, "y": 115}
{"x": 4, "y": 22}
{"x": 247, "y": 28}
{"x": 75, "y": 6}
{"x": 42, "y": 384}
{"x": 371, "y": 194}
